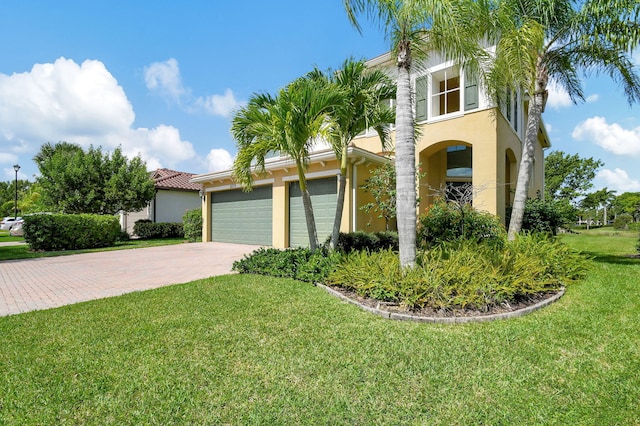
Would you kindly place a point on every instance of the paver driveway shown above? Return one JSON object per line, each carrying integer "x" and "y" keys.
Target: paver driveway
{"x": 32, "y": 284}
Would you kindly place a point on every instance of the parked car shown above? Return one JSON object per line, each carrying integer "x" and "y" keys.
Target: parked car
{"x": 16, "y": 230}
{"x": 8, "y": 222}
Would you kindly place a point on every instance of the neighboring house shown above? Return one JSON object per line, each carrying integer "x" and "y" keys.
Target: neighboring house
{"x": 175, "y": 194}
{"x": 463, "y": 140}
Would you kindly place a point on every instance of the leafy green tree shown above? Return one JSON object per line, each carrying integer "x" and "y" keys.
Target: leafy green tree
{"x": 415, "y": 28}
{"x": 361, "y": 106}
{"x": 382, "y": 187}
{"x": 542, "y": 40}
{"x": 569, "y": 176}
{"x": 628, "y": 202}
{"x": 8, "y": 197}
{"x": 73, "y": 180}
{"x": 287, "y": 123}
{"x": 599, "y": 200}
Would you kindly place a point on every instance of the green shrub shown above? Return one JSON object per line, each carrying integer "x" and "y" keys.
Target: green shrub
{"x": 462, "y": 274}
{"x": 192, "y": 225}
{"x": 298, "y": 263}
{"x": 360, "y": 240}
{"x": 622, "y": 221}
{"x": 446, "y": 222}
{"x": 145, "y": 229}
{"x": 70, "y": 231}
{"x": 544, "y": 216}
{"x": 123, "y": 236}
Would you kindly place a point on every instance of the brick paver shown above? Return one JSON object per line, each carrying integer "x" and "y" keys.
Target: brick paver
{"x": 32, "y": 284}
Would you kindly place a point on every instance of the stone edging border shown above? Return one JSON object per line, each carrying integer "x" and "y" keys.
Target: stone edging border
{"x": 446, "y": 320}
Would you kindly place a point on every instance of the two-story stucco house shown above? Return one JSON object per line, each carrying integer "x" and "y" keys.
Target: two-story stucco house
{"x": 463, "y": 140}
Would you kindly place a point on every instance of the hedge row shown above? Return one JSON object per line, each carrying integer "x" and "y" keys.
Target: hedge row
{"x": 360, "y": 240}
{"x": 70, "y": 231}
{"x": 146, "y": 229}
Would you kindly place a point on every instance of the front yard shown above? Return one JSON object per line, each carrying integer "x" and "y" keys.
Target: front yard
{"x": 244, "y": 349}
{"x": 22, "y": 251}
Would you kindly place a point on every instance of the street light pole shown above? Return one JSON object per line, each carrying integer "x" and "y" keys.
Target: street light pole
{"x": 16, "y": 167}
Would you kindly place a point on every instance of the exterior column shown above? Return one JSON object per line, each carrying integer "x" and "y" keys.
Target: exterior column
{"x": 206, "y": 217}
{"x": 280, "y": 219}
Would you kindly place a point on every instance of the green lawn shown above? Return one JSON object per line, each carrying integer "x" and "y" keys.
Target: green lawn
{"x": 23, "y": 251}
{"x": 254, "y": 350}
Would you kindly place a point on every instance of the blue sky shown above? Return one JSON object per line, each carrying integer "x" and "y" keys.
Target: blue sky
{"x": 161, "y": 78}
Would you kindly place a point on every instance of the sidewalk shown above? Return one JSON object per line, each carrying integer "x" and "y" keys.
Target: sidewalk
{"x": 33, "y": 284}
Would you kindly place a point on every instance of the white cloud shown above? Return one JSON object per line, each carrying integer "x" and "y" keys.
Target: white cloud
{"x": 549, "y": 127}
{"x": 611, "y": 137}
{"x": 558, "y": 97}
{"x": 81, "y": 104}
{"x": 164, "y": 77}
{"x": 617, "y": 180}
{"x": 6, "y": 158}
{"x": 219, "y": 159}
{"x": 592, "y": 98}
{"x": 221, "y": 105}
{"x": 161, "y": 146}
{"x": 62, "y": 98}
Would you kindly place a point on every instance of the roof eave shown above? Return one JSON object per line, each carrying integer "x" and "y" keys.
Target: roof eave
{"x": 280, "y": 163}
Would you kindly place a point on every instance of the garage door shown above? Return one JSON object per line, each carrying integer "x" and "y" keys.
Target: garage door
{"x": 324, "y": 197}
{"x": 242, "y": 217}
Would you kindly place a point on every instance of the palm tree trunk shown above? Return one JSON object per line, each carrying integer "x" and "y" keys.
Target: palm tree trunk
{"x": 536, "y": 106}
{"x": 308, "y": 209}
{"x": 405, "y": 163}
{"x": 342, "y": 187}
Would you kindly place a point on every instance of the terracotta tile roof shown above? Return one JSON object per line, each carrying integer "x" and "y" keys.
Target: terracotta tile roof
{"x": 171, "y": 179}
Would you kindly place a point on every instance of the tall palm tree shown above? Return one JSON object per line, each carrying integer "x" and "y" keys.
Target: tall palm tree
{"x": 287, "y": 123}
{"x": 543, "y": 40}
{"x": 415, "y": 28}
{"x": 363, "y": 91}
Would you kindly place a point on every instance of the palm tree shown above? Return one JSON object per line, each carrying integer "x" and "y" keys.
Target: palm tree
{"x": 415, "y": 28}
{"x": 288, "y": 124}
{"x": 542, "y": 40}
{"x": 363, "y": 91}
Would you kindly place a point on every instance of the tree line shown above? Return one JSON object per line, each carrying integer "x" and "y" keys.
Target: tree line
{"x": 77, "y": 180}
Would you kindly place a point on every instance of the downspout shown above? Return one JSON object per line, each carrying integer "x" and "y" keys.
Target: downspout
{"x": 354, "y": 192}
{"x": 155, "y": 196}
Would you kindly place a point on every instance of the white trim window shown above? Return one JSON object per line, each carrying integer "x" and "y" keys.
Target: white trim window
{"x": 370, "y": 131}
{"x": 512, "y": 110}
{"x": 441, "y": 93}
{"x": 445, "y": 92}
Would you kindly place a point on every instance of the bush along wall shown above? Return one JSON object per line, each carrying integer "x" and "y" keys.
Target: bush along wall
{"x": 447, "y": 222}
{"x": 360, "y": 241}
{"x": 51, "y": 232}
{"x": 192, "y": 225}
{"x": 145, "y": 229}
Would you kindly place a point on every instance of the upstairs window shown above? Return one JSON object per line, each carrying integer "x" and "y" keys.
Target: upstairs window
{"x": 511, "y": 109}
{"x": 442, "y": 93}
{"x": 445, "y": 92}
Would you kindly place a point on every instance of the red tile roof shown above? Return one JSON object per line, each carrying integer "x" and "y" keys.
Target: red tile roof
{"x": 171, "y": 179}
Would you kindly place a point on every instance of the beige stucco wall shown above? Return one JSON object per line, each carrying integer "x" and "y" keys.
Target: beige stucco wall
{"x": 171, "y": 205}
{"x": 496, "y": 153}
{"x": 128, "y": 219}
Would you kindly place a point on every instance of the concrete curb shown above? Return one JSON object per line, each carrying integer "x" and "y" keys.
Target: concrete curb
{"x": 446, "y": 320}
